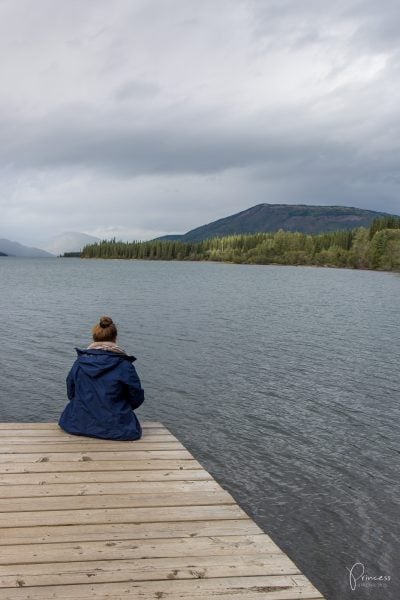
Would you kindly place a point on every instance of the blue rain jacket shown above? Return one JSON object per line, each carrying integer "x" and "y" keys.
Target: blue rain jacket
{"x": 104, "y": 389}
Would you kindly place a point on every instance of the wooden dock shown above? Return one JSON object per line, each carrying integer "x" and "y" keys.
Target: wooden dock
{"x": 84, "y": 518}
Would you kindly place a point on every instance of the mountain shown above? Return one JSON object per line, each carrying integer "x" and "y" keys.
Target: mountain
{"x": 16, "y": 249}
{"x": 69, "y": 241}
{"x": 289, "y": 217}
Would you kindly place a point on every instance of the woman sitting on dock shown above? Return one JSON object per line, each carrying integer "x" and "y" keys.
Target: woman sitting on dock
{"x": 104, "y": 389}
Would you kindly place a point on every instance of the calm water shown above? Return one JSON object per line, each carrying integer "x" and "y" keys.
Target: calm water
{"x": 282, "y": 381}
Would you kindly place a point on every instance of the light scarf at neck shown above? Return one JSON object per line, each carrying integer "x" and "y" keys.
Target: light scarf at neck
{"x": 111, "y": 346}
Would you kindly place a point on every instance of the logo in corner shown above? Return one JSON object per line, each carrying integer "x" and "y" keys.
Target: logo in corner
{"x": 359, "y": 577}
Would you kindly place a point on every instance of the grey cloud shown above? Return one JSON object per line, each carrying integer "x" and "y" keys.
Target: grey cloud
{"x": 361, "y": 25}
{"x": 179, "y": 113}
{"x": 136, "y": 90}
{"x": 200, "y": 147}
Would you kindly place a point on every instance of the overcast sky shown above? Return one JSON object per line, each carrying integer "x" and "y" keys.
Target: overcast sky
{"x": 137, "y": 118}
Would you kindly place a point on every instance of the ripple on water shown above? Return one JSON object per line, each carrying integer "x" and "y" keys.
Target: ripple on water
{"x": 282, "y": 381}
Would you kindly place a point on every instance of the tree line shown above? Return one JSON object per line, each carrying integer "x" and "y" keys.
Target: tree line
{"x": 376, "y": 247}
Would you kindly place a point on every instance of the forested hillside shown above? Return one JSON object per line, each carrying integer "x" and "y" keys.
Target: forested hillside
{"x": 376, "y": 247}
{"x": 265, "y": 218}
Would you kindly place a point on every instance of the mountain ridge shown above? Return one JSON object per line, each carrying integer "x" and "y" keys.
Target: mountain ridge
{"x": 69, "y": 241}
{"x": 11, "y": 248}
{"x": 305, "y": 218}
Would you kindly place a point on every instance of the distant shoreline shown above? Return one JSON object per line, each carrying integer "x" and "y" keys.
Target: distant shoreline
{"x": 376, "y": 248}
{"x": 203, "y": 261}
{"x": 225, "y": 262}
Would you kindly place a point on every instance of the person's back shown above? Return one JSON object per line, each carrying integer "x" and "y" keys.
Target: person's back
{"x": 103, "y": 388}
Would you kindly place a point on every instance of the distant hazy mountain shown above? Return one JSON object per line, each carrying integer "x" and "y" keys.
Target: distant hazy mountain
{"x": 16, "y": 249}
{"x": 289, "y": 217}
{"x": 69, "y": 241}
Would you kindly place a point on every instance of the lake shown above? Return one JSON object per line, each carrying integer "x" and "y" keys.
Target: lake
{"x": 282, "y": 381}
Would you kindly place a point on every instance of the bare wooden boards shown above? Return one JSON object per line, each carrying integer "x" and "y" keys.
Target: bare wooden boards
{"x": 83, "y": 518}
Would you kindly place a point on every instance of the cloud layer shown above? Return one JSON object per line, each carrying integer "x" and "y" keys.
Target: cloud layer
{"x": 141, "y": 118}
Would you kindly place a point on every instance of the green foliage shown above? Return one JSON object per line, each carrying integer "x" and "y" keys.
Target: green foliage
{"x": 389, "y": 222}
{"x": 355, "y": 248}
{"x": 358, "y": 253}
{"x": 384, "y": 250}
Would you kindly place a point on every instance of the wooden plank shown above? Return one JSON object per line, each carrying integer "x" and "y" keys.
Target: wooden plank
{"x": 34, "y": 479}
{"x": 222, "y": 525}
{"x": 133, "y": 454}
{"x": 236, "y": 545}
{"x": 144, "y": 569}
{"x": 59, "y": 433}
{"x": 80, "y": 466}
{"x": 90, "y": 489}
{"x": 98, "y": 446}
{"x": 53, "y": 425}
{"x": 122, "y": 515}
{"x": 9, "y": 505}
{"x": 78, "y": 439}
{"x": 86, "y": 518}
{"x": 277, "y": 587}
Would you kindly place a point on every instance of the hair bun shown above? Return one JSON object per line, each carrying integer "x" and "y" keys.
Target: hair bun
{"x": 105, "y": 322}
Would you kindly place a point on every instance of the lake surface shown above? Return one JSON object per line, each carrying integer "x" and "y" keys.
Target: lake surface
{"x": 282, "y": 381}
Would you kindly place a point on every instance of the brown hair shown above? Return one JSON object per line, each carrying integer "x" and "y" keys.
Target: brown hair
{"x": 105, "y": 330}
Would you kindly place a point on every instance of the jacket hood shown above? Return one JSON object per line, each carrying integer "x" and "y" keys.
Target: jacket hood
{"x": 97, "y": 362}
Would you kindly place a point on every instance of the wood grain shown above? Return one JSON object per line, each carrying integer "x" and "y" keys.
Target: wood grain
{"x": 84, "y": 518}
